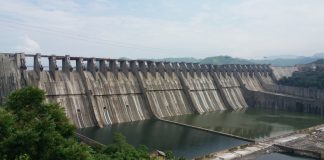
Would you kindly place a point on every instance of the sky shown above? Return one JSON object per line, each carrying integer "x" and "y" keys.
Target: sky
{"x": 163, "y": 28}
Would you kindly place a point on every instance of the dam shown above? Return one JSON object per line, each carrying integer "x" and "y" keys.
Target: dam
{"x": 99, "y": 92}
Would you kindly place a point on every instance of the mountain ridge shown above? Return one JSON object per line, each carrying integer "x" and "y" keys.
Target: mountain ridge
{"x": 223, "y": 59}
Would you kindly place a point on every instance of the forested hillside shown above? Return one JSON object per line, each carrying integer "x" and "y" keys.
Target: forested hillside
{"x": 305, "y": 79}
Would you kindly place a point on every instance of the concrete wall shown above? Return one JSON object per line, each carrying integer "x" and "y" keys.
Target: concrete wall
{"x": 99, "y": 92}
{"x": 274, "y": 101}
{"x": 296, "y": 91}
{"x": 10, "y": 77}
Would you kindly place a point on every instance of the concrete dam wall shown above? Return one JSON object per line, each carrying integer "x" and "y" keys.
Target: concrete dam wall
{"x": 100, "y": 91}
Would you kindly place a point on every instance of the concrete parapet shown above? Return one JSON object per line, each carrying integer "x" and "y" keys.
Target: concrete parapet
{"x": 151, "y": 68}
{"x": 233, "y": 68}
{"x": 204, "y": 69}
{"x": 124, "y": 67}
{"x": 228, "y": 68}
{"x": 255, "y": 68}
{"x": 80, "y": 67}
{"x": 190, "y": 68}
{"x": 168, "y": 68}
{"x": 267, "y": 67}
{"x": 52, "y": 64}
{"x": 113, "y": 66}
{"x": 210, "y": 67}
{"x": 92, "y": 66}
{"x": 133, "y": 66}
{"x": 175, "y": 66}
{"x": 183, "y": 68}
{"x": 142, "y": 67}
{"x": 160, "y": 68}
{"x": 103, "y": 67}
{"x": 66, "y": 64}
{"x": 197, "y": 69}
{"x": 38, "y": 67}
{"x": 20, "y": 61}
{"x": 53, "y": 67}
{"x": 239, "y": 68}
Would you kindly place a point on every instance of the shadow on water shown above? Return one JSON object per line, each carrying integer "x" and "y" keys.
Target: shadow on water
{"x": 183, "y": 141}
{"x": 251, "y": 123}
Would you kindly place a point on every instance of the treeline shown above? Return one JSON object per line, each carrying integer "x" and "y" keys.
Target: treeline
{"x": 31, "y": 129}
{"x": 305, "y": 79}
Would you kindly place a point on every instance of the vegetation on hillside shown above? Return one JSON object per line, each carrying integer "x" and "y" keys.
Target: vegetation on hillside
{"x": 224, "y": 60}
{"x": 30, "y": 128}
{"x": 305, "y": 79}
{"x": 182, "y": 59}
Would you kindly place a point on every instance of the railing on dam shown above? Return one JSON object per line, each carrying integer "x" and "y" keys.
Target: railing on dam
{"x": 115, "y": 65}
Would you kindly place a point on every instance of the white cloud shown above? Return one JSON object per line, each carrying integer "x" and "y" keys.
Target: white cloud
{"x": 28, "y": 45}
{"x": 246, "y": 28}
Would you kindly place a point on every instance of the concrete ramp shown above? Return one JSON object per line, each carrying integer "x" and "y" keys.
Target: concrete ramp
{"x": 265, "y": 78}
{"x": 165, "y": 94}
{"x": 66, "y": 91}
{"x": 203, "y": 92}
{"x": 118, "y": 97}
{"x": 251, "y": 81}
{"x": 231, "y": 89}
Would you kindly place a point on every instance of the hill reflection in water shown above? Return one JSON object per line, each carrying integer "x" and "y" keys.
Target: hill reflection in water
{"x": 251, "y": 123}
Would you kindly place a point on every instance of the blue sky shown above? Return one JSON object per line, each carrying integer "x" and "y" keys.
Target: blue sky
{"x": 163, "y": 28}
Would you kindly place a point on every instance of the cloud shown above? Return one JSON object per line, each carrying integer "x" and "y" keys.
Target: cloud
{"x": 242, "y": 28}
{"x": 28, "y": 45}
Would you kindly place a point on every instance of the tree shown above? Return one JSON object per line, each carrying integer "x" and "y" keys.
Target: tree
{"x": 33, "y": 129}
{"x": 120, "y": 149}
{"x": 305, "y": 79}
{"x": 30, "y": 128}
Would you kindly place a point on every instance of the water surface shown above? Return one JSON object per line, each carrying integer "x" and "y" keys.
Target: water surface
{"x": 251, "y": 123}
{"x": 183, "y": 141}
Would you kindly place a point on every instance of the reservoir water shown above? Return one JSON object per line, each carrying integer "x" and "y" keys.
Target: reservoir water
{"x": 183, "y": 141}
{"x": 252, "y": 123}
{"x": 189, "y": 143}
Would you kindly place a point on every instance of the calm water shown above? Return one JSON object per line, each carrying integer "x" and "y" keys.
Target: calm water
{"x": 252, "y": 123}
{"x": 155, "y": 134}
{"x": 189, "y": 143}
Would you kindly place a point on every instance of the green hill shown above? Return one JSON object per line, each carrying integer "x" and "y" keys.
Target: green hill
{"x": 182, "y": 59}
{"x": 224, "y": 60}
